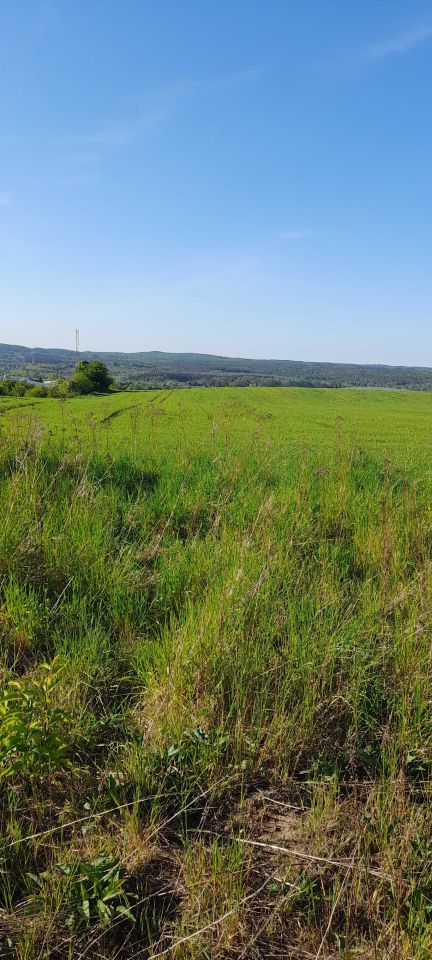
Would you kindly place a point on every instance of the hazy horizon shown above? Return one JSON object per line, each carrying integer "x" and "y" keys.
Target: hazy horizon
{"x": 242, "y": 180}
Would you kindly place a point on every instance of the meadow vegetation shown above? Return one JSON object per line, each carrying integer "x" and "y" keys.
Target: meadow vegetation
{"x": 215, "y": 667}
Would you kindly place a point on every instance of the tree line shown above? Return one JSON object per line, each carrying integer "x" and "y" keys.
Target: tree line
{"x": 90, "y": 376}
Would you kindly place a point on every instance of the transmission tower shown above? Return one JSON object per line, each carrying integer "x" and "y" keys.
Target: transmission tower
{"x": 77, "y": 343}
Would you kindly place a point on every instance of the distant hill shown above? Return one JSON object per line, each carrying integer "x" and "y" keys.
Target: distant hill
{"x": 155, "y": 369}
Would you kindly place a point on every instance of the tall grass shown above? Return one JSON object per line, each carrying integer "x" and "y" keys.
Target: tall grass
{"x": 234, "y": 756}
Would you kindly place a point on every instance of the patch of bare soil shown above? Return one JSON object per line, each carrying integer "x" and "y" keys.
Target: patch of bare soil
{"x": 303, "y": 910}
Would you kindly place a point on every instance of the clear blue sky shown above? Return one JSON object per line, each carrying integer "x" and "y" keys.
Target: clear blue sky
{"x": 243, "y": 177}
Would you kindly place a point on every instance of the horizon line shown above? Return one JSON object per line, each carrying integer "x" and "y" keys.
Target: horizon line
{"x": 221, "y": 356}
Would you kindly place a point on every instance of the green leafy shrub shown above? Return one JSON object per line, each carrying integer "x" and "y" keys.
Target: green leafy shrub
{"x": 31, "y": 726}
{"x": 90, "y": 375}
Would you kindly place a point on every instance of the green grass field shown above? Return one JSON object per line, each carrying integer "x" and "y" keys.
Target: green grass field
{"x": 216, "y": 717}
{"x": 393, "y": 424}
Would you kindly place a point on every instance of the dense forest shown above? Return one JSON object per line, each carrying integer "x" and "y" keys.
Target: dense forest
{"x": 155, "y": 369}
